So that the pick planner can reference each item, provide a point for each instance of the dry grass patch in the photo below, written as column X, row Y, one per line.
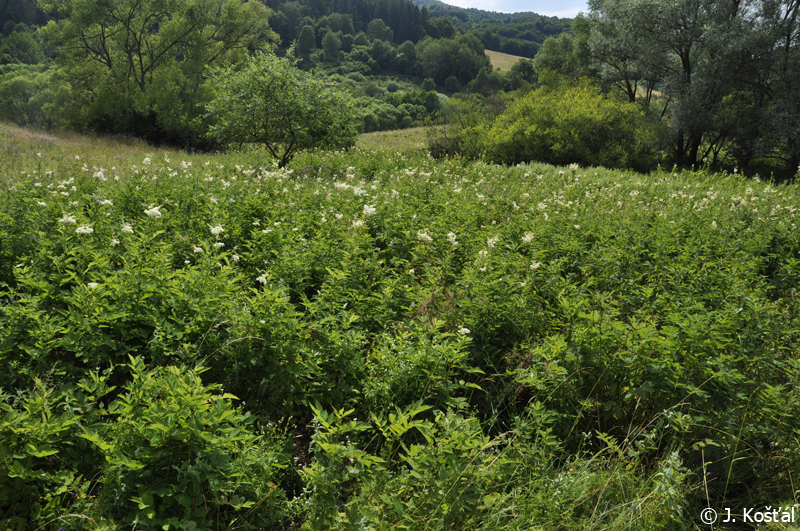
column 503, row 61
column 399, row 140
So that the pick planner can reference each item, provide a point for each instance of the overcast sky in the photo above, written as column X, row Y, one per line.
column 551, row 8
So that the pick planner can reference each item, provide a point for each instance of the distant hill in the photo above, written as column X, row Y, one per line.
column 436, row 8
column 512, row 33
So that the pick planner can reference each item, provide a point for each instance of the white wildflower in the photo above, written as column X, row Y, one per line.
column 358, row 224
column 463, row 331
column 536, row 265
column 491, row 242
column 41, row 203
column 424, row 238
column 84, row 229
column 369, row 210
column 196, row 249
column 153, row 212
column 127, row 227
column 93, row 285
column 262, row 279
column 66, row 220
column 147, row 161
column 216, row 231
column 114, row 242
column 219, row 245
column 528, row 238
column 451, row 237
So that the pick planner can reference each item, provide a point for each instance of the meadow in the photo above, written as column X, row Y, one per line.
column 372, row 339
column 503, row 61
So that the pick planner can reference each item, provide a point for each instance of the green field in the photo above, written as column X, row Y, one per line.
column 373, row 339
column 399, row 140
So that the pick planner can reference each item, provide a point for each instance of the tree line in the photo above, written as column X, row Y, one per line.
column 721, row 75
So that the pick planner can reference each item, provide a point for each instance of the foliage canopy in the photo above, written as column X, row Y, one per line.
column 723, row 75
column 137, row 67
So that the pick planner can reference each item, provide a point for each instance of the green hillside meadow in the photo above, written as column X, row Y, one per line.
column 377, row 340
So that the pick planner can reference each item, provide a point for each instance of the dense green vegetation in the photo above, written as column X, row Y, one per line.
column 723, row 76
column 379, row 340
column 295, row 333
column 144, row 68
column 270, row 103
column 707, row 82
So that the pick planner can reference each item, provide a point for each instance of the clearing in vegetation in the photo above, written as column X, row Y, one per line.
column 414, row 138
column 504, row 61
column 373, row 338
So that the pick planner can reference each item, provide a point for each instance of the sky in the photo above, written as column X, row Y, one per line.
column 551, row 8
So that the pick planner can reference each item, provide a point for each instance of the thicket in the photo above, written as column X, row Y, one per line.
column 562, row 123
column 722, row 76
column 381, row 340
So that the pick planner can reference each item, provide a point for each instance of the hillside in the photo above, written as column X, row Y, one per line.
column 512, row 33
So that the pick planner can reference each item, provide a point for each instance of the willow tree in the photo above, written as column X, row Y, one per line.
column 725, row 67
column 138, row 66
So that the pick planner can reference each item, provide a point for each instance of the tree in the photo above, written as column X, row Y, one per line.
column 378, row 30
column 306, row 44
column 138, row 66
column 721, row 66
column 272, row 102
column 28, row 96
column 21, row 46
column 331, row 46
column 522, row 73
column 560, row 57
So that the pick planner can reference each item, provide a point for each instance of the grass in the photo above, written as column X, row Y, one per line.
column 503, row 61
column 397, row 140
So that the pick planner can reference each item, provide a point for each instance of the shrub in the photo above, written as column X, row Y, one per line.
column 177, row 452
column 572, row 124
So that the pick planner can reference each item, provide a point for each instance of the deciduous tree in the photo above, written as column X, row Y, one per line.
column 271, row 102
column 137, row 66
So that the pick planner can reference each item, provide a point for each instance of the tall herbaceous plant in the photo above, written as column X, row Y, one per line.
column 375, row 339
